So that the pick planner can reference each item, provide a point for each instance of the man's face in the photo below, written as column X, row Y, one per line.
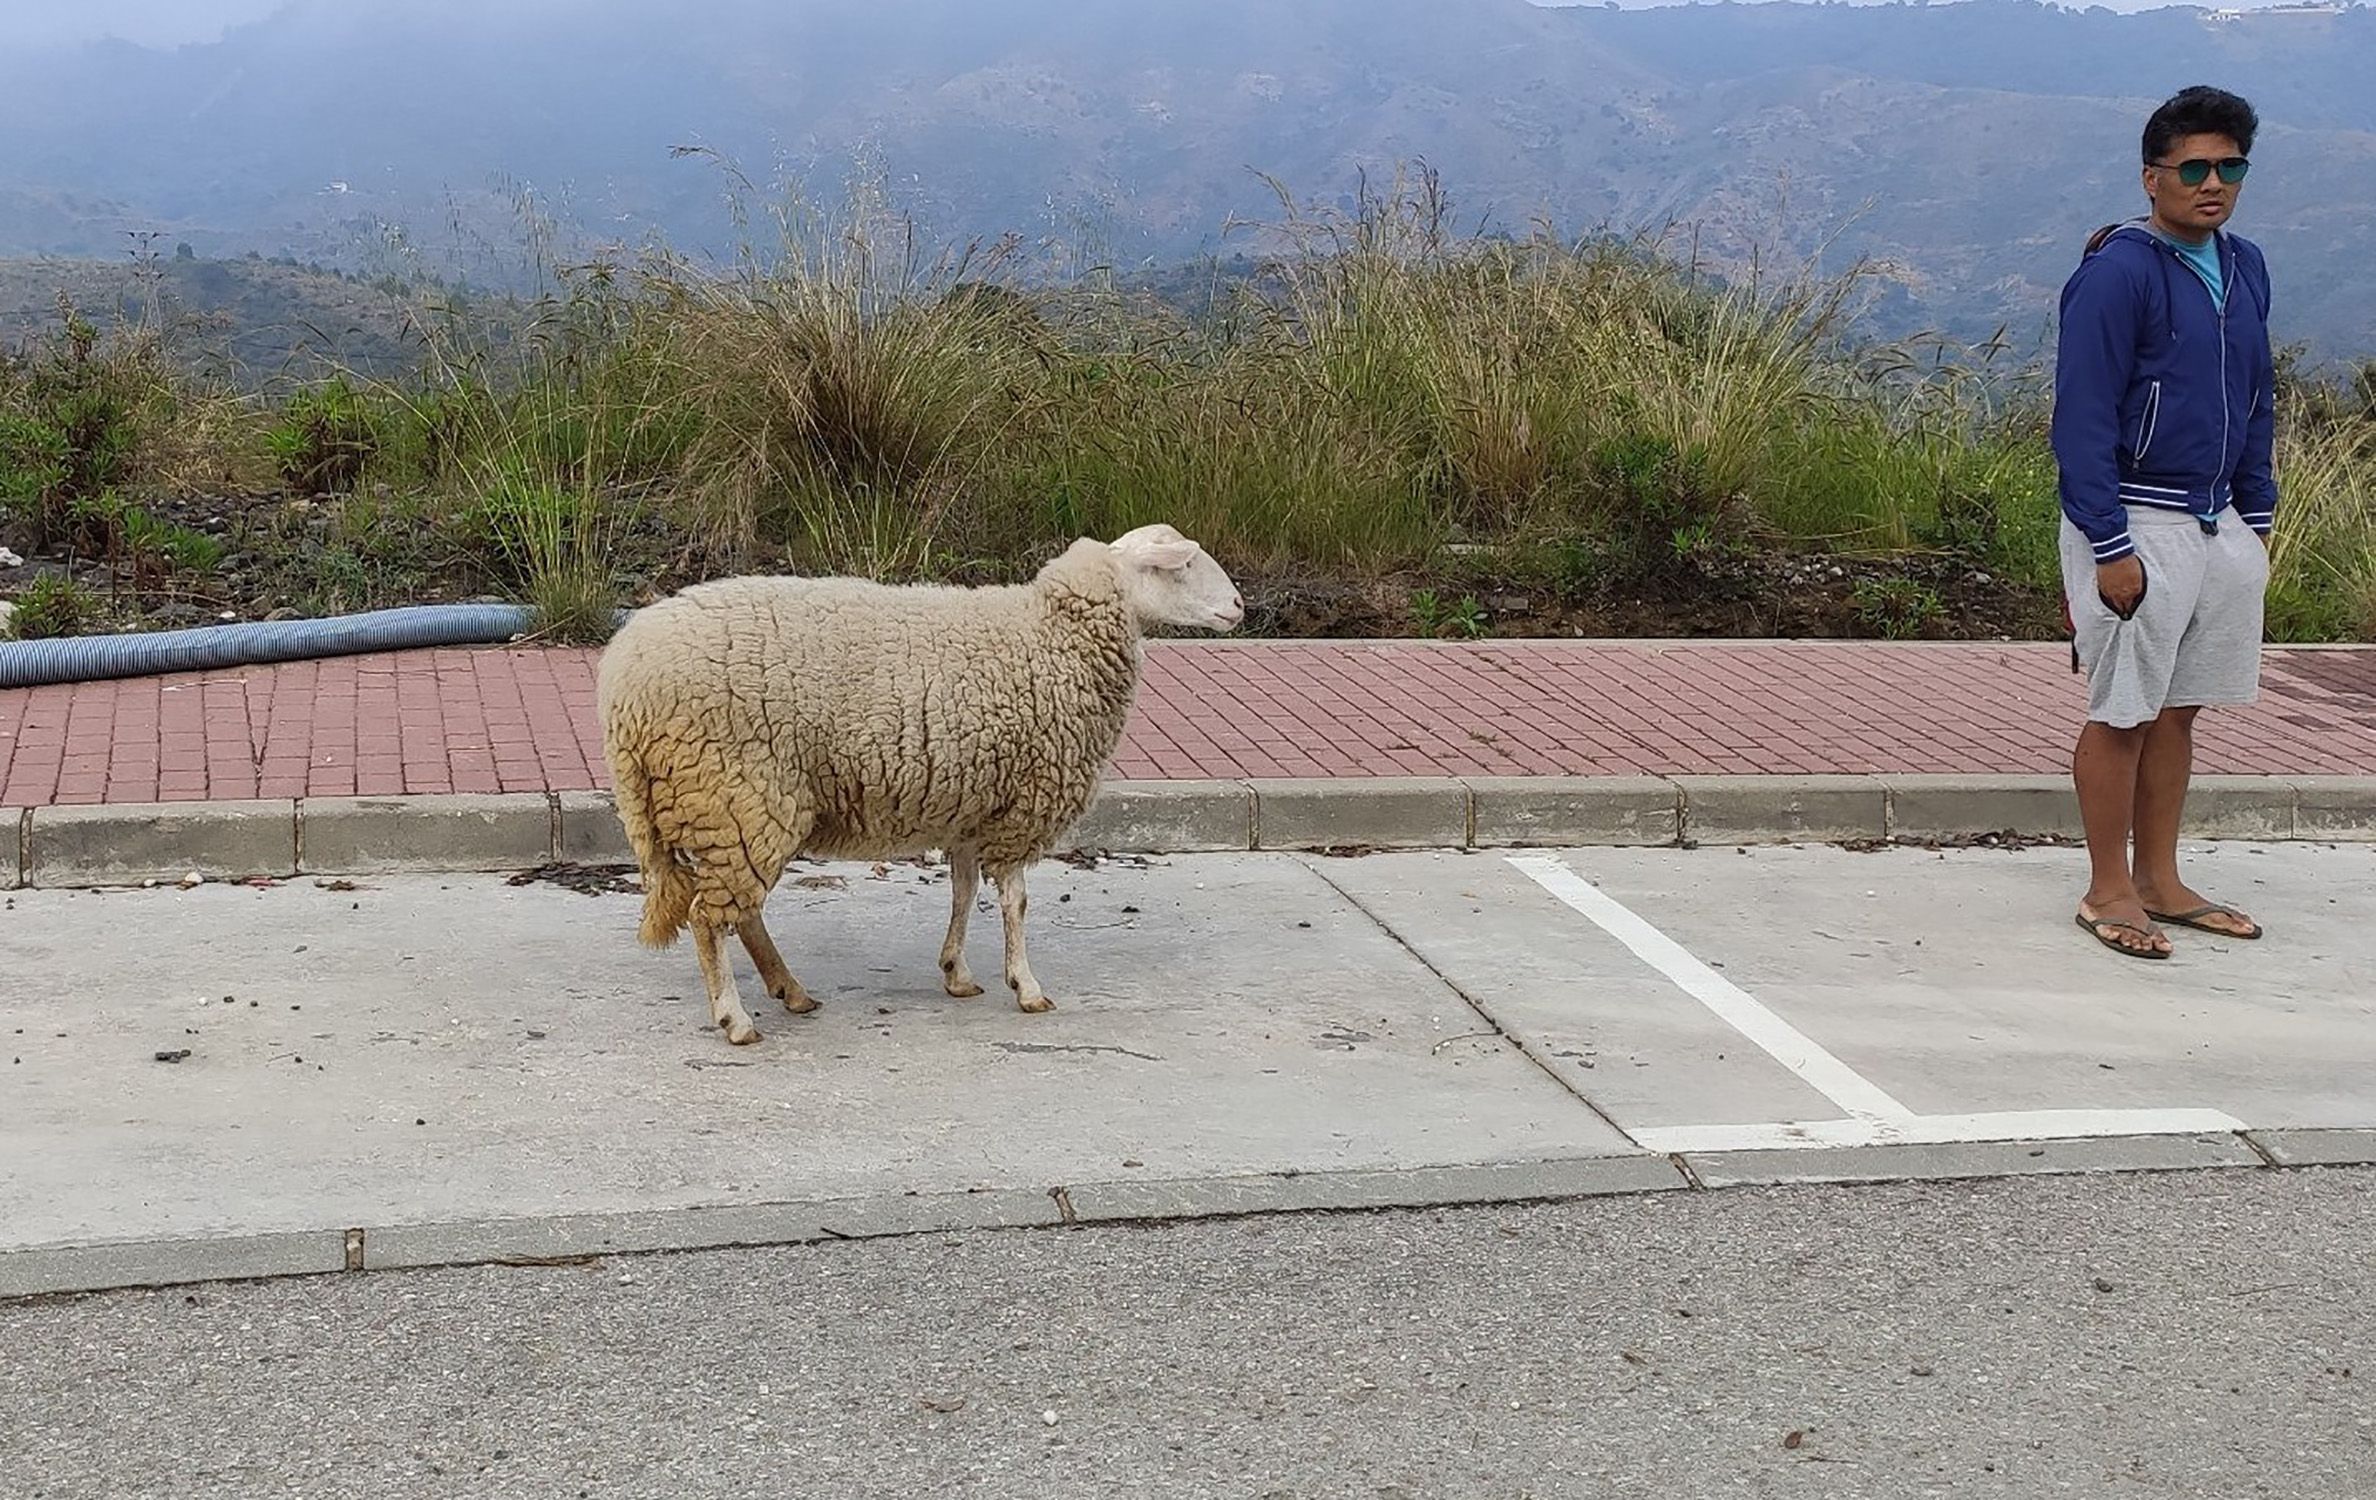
column 2202, row 206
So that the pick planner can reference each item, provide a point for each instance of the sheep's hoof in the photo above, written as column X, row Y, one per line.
column 964, row 989
column 741, row 1036
column 799, row 1002
column 1035, row 1004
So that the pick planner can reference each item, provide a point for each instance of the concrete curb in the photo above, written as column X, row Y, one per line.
column 46, row 1270
column 127, row 844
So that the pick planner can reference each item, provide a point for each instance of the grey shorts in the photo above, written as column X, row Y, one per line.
column 2194, row 639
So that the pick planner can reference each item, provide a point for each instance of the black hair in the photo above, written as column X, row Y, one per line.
column 2201, row 110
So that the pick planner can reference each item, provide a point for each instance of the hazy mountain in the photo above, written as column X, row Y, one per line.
column 1971, row 146
column 249, row 321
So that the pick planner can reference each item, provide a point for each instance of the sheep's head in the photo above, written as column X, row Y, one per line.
column 1170, row 580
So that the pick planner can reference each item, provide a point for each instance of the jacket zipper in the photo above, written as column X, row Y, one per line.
column 2226, row 416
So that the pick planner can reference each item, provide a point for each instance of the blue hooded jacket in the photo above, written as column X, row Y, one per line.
column 2161, row 398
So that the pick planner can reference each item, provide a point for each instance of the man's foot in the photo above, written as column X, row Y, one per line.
column 2123, row 927
column 2186, row 908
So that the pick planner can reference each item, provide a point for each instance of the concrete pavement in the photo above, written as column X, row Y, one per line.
column 426, row 1069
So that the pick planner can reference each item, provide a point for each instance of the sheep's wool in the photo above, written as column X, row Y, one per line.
column 752, row 720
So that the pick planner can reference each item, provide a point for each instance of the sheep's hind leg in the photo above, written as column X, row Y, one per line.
column 965, row 881
column 726, row 1007
column 773, row 972
column 1012, row 904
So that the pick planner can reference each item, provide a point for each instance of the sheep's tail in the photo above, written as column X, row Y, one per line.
column 668, row 885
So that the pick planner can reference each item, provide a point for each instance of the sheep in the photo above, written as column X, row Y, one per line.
column 750, row 720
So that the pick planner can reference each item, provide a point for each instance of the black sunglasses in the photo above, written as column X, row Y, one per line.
column 2194, row 169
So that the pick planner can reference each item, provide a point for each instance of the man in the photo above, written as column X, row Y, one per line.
column 2163, row 418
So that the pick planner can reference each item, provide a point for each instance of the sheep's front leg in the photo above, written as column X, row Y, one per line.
column 965, row 881
column 1011, row 906
column 769, row 961
column 726, row 1007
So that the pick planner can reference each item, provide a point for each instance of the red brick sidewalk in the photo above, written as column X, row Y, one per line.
column 522, row 720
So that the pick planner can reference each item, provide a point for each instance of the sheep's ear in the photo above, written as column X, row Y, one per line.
column 1162, row 556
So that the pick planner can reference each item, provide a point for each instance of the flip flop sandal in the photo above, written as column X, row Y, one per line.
column 2090, row 925
column 2195, row 920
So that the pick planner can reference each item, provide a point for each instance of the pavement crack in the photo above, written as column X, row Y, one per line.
column 1525, row 1048
column 2268, row 1157
column 1073, row 1047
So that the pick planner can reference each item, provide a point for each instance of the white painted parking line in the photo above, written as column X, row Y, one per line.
column 1874, row 1117
column 1736, row 1007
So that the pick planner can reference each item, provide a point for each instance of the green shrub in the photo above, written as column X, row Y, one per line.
column 51, row 606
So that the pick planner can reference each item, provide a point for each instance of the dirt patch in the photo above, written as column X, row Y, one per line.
column 2009, row 840
column 586, row 880
column 1773, row 595
column 285, row 557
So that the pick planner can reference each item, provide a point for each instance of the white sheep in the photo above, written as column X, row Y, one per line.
column 750, row 720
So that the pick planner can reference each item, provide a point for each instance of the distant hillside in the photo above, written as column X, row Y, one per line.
column 251, row 321
column 1966, row 147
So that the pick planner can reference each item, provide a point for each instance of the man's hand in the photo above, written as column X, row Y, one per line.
column 2122, row 584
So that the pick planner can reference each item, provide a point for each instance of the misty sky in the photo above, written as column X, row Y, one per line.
column 158, row 23
column 168, row 23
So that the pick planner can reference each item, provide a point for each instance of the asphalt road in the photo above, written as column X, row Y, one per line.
column 2170, row 1335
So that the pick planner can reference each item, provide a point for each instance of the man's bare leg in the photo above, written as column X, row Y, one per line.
column 2105, row 770
column 2163, row 770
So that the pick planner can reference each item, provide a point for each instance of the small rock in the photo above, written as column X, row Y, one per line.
column 1925, row 1371
column 1048, row 1417
column 2103, row 1285
column 176, row 1055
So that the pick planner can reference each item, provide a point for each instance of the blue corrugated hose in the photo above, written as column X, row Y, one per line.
column 82, row 658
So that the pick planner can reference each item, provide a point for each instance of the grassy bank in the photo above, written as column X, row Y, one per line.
column 1464, row 437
